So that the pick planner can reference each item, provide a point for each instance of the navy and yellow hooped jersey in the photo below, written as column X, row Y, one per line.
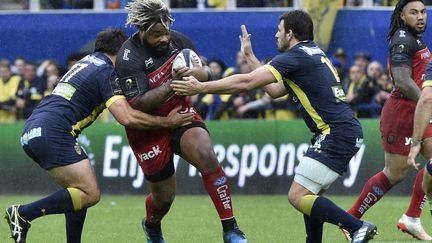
column 311, row 79
column 82, row 94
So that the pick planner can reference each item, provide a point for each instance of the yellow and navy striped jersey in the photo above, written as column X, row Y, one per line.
column 82, row 94
column 311, row 79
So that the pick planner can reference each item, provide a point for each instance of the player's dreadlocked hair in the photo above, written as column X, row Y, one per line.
column 144, row 14
column 110, row 41
column 395, row 20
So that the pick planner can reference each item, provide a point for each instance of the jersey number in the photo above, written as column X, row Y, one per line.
column 74, row 70
column 338, row 92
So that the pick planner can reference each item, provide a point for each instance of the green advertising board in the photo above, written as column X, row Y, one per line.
column 258, row 156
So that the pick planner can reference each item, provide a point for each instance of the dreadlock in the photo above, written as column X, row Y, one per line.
column 395, row 20
column 144, row 14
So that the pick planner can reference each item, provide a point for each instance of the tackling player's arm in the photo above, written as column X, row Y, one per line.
column 129, row 117
column 229, row 85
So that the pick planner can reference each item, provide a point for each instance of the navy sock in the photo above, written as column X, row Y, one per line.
column 74, row 225
column 58, row 202
column 326, row 211
column 314, row 229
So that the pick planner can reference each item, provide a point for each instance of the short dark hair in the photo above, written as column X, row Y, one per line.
column 300, row 23
column 110, row 41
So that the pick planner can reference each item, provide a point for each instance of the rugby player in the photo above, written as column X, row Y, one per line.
column 144, row 67
column 303, row 71
column 408, row 56
column 49, row 136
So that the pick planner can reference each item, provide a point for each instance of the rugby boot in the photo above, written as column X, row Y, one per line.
column 154, row 235
column 413, row 227
column 234, row 236
column 17, row 224
column 366, row 232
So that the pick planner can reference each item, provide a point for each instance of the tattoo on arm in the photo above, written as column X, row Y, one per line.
column 404, row 81
column 154, row 97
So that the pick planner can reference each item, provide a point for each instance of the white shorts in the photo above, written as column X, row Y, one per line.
column 314, row 175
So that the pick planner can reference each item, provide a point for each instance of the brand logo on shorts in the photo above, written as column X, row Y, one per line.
column 151, row 154
column 77, row 148
column 33, row 133
column 220, row 181
column 359, row 142
column 408, row 140
column 390, row 139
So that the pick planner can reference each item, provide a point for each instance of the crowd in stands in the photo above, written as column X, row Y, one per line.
column 366, row 84
column 217, row 4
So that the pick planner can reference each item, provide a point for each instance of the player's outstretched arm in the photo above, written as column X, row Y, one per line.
column 229, row 85
column 129, row 117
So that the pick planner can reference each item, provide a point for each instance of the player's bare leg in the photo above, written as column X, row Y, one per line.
column 81, row 191
column 158, row 203
column 197, row 149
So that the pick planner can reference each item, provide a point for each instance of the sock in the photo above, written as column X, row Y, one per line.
column 314, row 229
column 74, row 225
column 59, row 202
column 154, row 214
column 324, row 210
column 374, row 189
column 229, row 224
column 418, row 198
column 216, row 185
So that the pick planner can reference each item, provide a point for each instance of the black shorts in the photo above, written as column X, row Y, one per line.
column 335, row 150
column 50, row 144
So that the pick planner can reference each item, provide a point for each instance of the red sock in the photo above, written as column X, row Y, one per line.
column 216, row 185
column 418, row 198
column 374, row 189
column 154, row 214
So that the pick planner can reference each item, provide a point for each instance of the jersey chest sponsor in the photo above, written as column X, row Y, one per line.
column 420, row 60
column 161, row 75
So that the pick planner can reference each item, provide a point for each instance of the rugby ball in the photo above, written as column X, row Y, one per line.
column 186, row 58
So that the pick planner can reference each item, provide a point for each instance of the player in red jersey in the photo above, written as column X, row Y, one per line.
column 408, row 56
column 144, row 67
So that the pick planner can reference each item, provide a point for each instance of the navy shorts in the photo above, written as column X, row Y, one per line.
column 335, row 150
column 50, row 144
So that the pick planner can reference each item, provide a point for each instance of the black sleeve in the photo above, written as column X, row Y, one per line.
column 402, row 48
column 130, row 71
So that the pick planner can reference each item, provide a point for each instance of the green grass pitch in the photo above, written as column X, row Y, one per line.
column 192, row 219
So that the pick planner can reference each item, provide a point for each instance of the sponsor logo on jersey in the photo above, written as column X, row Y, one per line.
column 33, row 133
column 64, row 90
column 156, row 77
column 149, row 62
column 151, row 154
column 126, row 54
column 312, row 50
column 402, row 33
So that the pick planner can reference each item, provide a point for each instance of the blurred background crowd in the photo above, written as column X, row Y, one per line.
column 366, row 81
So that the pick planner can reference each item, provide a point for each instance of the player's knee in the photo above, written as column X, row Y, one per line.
column 92, row 197
column 293, row 198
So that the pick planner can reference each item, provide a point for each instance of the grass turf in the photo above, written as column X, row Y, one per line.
column 192, row 219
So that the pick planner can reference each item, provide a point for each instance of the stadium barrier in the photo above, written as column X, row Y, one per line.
column 58, row 34
column 258, row 156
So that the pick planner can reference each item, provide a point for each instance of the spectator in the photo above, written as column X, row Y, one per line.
column 19, row 65
column 362, row 59
column 250, row 3
column 218, row 4
column 30, row 92
column 384, row 86
column 183, row 3
column 343, row 70
column 8, row 88
column 51, row 83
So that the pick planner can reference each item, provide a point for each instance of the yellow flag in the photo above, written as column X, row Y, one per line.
column 323, row 13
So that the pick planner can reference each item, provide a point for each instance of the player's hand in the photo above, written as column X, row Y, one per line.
column 245, row 41
column 414, row 151
column 181, row 72
column 188, row 86
column 176, row 119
